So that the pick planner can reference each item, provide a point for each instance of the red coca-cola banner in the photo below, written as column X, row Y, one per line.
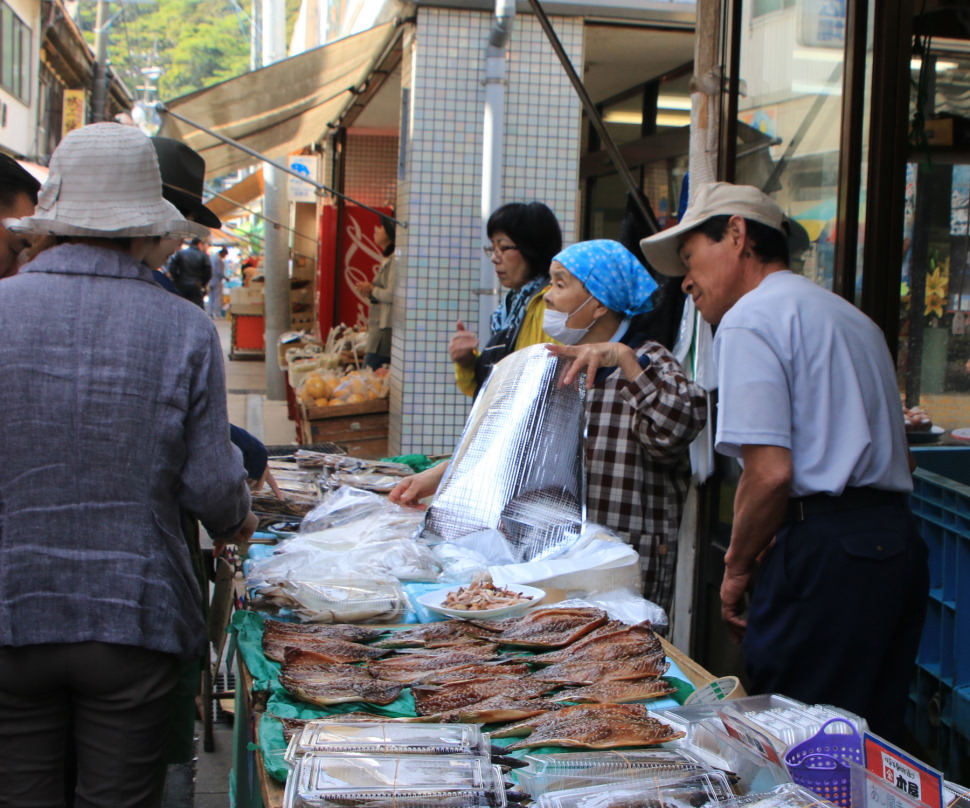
column 356, row 259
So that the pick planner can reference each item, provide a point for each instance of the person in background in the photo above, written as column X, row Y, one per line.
column 18, row 197
column 524, row 238
column 641, row 410
column 219, row 275
column 191, row 270
column 380, row 293
column 88, row 660
column 808, row 403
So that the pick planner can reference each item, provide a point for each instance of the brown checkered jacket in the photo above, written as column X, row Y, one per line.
column 637, row 464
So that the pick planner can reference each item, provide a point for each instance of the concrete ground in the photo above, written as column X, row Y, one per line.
column 204, row 783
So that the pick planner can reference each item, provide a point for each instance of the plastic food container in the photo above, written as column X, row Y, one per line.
column 671, row 792
column 375, row 738
column 788, row 795
column 411, row 781
column 561, row 771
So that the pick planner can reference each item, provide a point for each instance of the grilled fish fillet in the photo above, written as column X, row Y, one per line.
column 339, row 631
column 357, row 686
column 431, row 635
column 591, row 672
column 545, row 629
column 596, row 726
column 415, row 663
column 458, row 673
column 431, row 699
column 618, row 692
column 627, row 642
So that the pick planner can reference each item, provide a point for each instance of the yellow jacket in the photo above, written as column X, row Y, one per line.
column 531, row 333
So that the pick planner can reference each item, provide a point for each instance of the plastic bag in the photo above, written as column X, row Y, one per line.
column 339, row 598
column 625, row 605
column 340, row 506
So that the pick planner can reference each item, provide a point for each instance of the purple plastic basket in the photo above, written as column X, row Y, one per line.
column 819, row 763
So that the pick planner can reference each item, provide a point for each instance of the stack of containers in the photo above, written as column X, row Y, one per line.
column 405, row 765
column 814, row 741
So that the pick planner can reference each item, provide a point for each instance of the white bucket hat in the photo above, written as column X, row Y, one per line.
column 104, row 183
column 714, row 199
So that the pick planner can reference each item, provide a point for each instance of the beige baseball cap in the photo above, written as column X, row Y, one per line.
column 713, row 199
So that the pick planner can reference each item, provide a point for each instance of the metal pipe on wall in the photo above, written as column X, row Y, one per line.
column 276, row 246
column 493, row 150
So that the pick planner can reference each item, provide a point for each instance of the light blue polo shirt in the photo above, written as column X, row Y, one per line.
column 801, row 368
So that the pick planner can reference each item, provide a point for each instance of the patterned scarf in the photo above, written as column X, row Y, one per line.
column 510, row 311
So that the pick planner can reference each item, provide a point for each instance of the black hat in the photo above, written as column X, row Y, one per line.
column 183, row 170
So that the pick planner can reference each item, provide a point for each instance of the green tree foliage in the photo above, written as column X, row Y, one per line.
column 196, row 43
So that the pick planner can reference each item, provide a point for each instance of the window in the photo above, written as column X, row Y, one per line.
column 761, row 7
column 14, row 54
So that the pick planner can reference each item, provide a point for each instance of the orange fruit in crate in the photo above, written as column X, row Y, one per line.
column 356, row 398
column 322, row 402
column 315, row 386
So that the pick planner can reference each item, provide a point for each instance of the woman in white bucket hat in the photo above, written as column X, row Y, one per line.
column 115, row 408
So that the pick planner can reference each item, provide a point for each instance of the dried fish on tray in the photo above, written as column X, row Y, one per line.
column 543, row 629
column 594, row 726
column 430, row 635
column 276, row 639
column 618, row 692
column 433, row 699
column 591, row 672
column 624, row 643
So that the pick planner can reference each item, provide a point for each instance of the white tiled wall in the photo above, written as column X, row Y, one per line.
column 439, row 194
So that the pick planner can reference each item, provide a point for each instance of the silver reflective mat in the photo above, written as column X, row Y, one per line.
column 519, row 466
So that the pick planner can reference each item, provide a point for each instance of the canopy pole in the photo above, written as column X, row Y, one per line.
column 320, row 188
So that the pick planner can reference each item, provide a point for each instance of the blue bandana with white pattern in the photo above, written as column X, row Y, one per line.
column 611, row 274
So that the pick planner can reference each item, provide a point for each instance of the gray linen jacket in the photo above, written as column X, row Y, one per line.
column 114, row 403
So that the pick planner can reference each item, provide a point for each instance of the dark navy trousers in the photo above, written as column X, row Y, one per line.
column 837, row 613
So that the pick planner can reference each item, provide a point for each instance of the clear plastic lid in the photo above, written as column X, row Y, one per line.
column 559, row 771
column 377, row 738
column 693, row 791
column 787, row 795
column 353, row 781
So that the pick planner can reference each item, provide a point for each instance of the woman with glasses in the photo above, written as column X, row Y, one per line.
column 524, row 237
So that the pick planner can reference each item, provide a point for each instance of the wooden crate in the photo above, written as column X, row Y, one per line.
column 361, row 428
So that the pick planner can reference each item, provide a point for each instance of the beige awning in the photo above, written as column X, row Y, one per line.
column 278, row 109
column 234, row 198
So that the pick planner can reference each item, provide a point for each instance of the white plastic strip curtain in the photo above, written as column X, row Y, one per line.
column 695, row 345
column 281, row 108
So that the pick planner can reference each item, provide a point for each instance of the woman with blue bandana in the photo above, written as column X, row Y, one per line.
column 642, row 411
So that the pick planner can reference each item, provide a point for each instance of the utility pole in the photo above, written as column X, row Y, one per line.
column 276, row 208
column 99, row 93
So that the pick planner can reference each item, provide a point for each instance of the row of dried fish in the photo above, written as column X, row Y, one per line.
column 457, row 672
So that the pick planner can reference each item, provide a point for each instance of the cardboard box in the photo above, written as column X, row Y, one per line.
column 360, row 428
column 246, row 300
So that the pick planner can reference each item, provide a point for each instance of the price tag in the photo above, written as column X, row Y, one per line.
column 903, row 772
column 754, row 739
column 714, row 691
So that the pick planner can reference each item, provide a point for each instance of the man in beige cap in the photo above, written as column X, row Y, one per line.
column 808, row 403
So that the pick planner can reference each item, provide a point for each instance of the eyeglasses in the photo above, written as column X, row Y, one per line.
column 501, row 249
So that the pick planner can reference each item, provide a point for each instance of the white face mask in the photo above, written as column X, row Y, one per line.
column 554, row 323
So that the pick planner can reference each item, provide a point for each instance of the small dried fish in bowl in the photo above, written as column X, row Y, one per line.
column 482, row 594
